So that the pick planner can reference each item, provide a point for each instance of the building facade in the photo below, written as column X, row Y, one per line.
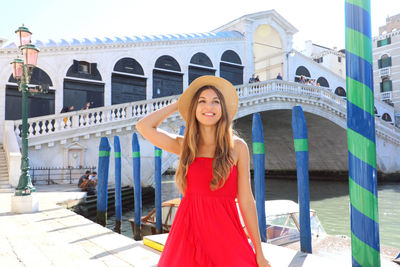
column 386, row 60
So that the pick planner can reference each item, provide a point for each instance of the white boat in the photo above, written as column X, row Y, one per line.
column 283, row 226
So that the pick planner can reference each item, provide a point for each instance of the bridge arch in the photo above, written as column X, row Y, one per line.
column 327, row 140
column 267, row 48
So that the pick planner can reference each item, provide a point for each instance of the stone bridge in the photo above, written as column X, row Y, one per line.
column 72, row 139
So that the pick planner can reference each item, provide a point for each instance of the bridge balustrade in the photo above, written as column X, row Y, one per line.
column 131, row 112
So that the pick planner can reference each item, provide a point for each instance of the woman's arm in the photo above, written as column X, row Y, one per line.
column 147, row 126
column 246, row 200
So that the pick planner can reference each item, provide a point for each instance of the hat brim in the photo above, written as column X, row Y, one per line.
column 225, row 87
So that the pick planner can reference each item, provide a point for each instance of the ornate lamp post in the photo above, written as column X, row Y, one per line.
column 22, row 71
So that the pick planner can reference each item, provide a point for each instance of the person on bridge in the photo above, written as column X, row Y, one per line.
column 213, row 170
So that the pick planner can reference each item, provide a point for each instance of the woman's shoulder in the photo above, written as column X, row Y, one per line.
column 240, row 148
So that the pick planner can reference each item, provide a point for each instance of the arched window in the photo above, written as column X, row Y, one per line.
column 200, row 65
column 38, row 77
column 84, row 70
column 301, row 71
column 386, row 85
column 323, row 82
column 38, row 104
column 231, row 56
column 231, row 68
column 128, row 65
column 77, row 92
column 167, row 63
column 340, row 91
column 167, row 77
column 201, row 59
column 386, row 117
column 128, row 83
column 384, row 62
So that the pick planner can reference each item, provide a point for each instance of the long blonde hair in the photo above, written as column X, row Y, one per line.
column 223, row 160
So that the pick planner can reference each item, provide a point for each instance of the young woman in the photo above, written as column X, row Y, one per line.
column 213, row 170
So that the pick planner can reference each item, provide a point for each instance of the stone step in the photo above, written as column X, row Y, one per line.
column 7, row 189
column 2, row 183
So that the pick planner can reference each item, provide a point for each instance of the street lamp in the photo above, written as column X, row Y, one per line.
column 22, row 71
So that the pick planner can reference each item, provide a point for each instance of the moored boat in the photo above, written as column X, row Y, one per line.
column 282, row 221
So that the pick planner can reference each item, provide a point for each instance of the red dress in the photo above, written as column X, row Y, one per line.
column 206, row 231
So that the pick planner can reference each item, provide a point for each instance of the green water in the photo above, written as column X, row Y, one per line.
column 330, row 200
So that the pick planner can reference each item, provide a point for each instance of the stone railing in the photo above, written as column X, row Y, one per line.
column 47, row 125
column 87, row 120
column 386, row 95
column 384, row 72
column 283, row 87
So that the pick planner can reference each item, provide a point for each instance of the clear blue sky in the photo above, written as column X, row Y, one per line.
column 317, row 20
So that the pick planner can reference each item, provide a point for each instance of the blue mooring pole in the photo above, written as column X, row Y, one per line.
column 299, row 127
column 102, row 184
column 118, row 199
column 259, row 173
column 157, row 177
column 137, row 187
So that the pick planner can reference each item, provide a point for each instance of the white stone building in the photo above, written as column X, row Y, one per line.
column 386, row 60
column 123, row 70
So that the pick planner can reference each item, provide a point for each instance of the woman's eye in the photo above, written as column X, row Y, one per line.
column 202, row 101
column 216, row 101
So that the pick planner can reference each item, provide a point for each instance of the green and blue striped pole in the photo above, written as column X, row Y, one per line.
column 259, row 173
column 137, row 187
column 102, row 184
column 300, row 136
column 361, row 135
column 118, row 197
column 157, row 178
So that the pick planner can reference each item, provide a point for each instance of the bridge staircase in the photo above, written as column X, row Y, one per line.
column 5, row 187
column 52, row 137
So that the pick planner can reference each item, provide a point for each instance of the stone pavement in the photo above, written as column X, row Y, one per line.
column 56, row 236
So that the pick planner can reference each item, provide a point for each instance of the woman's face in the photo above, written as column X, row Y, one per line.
column 208, row 111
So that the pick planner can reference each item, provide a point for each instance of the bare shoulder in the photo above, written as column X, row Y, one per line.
column 240, row 149
column 179, row 138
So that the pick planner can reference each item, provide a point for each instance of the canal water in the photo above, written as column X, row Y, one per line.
column 329, row 198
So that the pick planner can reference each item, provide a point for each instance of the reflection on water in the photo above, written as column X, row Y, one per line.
column 330, row 199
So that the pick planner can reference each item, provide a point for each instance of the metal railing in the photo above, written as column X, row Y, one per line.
column 57, row 175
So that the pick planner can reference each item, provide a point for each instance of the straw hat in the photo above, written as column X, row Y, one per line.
column 225, row 87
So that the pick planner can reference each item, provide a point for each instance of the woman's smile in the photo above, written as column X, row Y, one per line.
column 208, row 111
